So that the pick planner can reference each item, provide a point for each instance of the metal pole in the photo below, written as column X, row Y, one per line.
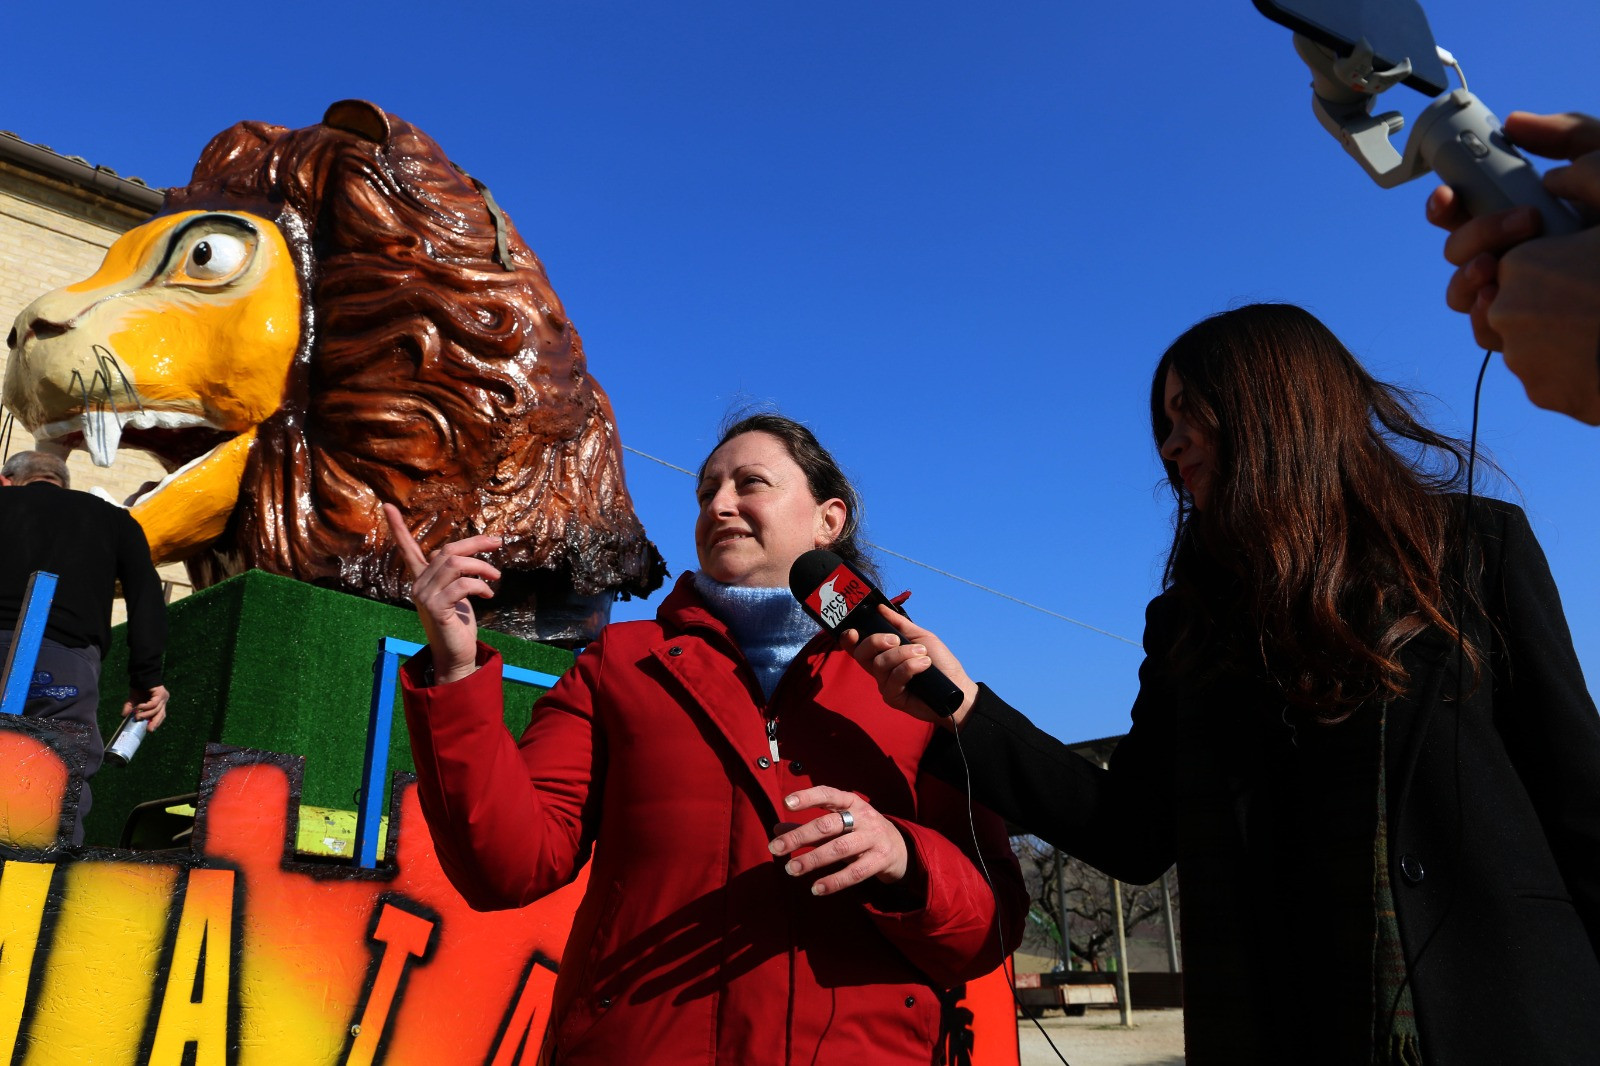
column 1124, row 998
column 1166, row 914
column 1061, row 909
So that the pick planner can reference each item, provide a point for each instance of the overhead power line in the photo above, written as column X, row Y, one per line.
column 663, row 462
column 1004, row 595
column 935, row 569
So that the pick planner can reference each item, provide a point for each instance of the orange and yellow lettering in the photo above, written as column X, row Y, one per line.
column 522, row 1037
column 24, row 887
column 194, row 1007
column 108, row 927
column 404, row 936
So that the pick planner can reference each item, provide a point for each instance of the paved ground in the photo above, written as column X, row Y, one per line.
column 1098, row 1039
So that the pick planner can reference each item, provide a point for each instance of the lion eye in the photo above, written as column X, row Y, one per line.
column 216, row 256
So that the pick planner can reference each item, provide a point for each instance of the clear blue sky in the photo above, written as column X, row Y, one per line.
column 954, row 241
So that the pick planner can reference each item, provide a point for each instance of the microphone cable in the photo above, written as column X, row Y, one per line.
column 1460, row 597
column 1007, row 963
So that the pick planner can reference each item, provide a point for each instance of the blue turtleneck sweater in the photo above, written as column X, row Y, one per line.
column 769, row 625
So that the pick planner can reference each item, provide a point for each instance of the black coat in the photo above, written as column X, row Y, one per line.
column 1493, row 816
column 90, row 545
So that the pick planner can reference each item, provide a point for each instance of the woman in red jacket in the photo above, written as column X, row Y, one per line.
column 773, row 879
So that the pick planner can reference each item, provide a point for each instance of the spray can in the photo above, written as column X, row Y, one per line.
column 126, row 740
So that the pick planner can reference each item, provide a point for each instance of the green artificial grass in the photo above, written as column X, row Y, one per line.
column 268, row 662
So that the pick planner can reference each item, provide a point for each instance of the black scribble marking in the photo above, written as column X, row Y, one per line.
column 98, row 392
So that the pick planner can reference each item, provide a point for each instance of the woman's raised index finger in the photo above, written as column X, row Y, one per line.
column 410, row 550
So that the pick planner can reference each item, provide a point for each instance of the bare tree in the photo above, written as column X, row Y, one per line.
column 1086, row 893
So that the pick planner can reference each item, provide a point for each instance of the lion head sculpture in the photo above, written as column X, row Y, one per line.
column 322, row 321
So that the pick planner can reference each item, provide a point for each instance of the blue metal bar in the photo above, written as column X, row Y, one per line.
column 520, row 675
column 25, row 640
column 401, row 647
column 527, row 677
column 380, row 724
column 375, row 763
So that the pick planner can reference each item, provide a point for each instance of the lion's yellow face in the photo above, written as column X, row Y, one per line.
column 180, row 344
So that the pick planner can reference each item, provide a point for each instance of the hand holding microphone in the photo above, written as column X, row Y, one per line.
column 915, row 671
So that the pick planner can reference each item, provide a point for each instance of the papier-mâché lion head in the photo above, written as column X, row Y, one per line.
column 322, row 321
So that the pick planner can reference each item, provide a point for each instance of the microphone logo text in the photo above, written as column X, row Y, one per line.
column 836, row 597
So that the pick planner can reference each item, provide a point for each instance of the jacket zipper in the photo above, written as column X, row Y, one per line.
column 771, row 708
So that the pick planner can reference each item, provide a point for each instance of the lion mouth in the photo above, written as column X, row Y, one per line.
column 177, row 440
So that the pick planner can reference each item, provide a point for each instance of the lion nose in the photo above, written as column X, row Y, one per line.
column 41, row 329
column 51, row 315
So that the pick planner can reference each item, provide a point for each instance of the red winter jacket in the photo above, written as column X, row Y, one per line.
column 692, row 945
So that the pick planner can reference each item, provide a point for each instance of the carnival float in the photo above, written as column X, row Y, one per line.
column 323, row 321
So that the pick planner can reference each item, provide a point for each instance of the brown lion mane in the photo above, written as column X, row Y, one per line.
column 437, row 371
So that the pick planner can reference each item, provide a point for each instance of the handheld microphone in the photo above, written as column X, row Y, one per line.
column 840, row 598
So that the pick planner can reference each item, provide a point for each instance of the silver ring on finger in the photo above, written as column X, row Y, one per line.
column 849, row 821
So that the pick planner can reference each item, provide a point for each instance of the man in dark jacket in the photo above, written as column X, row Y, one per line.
column 90, row 545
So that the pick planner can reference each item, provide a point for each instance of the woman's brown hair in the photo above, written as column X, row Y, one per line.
column 1323, row 546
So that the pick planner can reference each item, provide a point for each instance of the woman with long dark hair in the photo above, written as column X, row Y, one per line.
column 772, row 880
column 1362, row 733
